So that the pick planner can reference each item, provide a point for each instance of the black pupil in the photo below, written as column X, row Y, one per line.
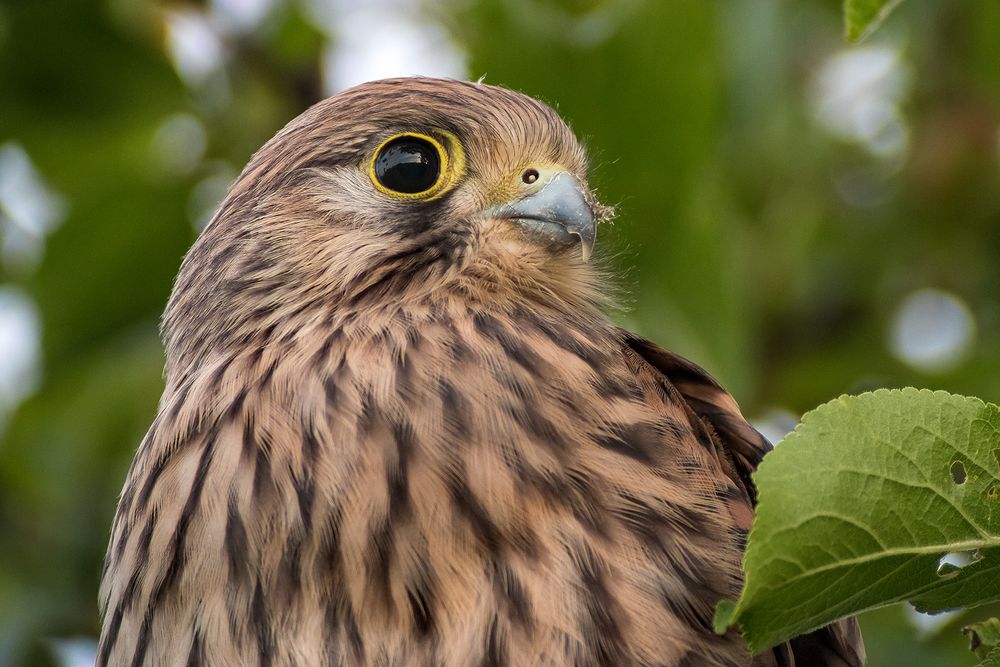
column 408, row 165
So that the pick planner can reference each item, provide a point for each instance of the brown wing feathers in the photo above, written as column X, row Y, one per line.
column 711, row 402
column 837, row 645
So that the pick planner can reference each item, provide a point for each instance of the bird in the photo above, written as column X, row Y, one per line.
column 400, row 428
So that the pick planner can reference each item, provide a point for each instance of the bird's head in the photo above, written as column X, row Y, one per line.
column 391, row 191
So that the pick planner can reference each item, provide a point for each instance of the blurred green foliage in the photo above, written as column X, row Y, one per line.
column 765, row 229
column 863, row 17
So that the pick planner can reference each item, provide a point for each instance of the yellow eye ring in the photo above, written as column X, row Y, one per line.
column 412, row 165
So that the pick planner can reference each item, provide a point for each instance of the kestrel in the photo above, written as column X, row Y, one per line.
column 398, row 428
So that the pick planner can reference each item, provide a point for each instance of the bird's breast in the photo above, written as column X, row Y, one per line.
column 449, row 487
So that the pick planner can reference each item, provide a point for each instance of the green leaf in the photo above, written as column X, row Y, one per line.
column 992, row 659
column 859, row 505
column 863, row 17
column 984, row 637
column 725, row 615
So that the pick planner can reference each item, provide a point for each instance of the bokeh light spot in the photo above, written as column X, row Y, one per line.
column 241, row 16
column 206, row 196
column 775, row 424
column 193, row 45
column 932, row 330
column 381, row 39
column 857, row 97
column 29, row 210
column 179, row 143
column 19, row 349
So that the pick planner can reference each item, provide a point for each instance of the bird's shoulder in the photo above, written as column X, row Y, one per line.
column 839, row 644
column 710, row 402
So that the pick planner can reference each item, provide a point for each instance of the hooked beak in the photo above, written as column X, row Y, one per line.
column 557, row 212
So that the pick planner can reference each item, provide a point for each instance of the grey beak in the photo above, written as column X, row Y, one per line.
column 559, row 212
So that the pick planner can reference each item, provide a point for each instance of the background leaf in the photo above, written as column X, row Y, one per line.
column 984, row 637
column 859, row 505
column 863, row 17
column 992, row 659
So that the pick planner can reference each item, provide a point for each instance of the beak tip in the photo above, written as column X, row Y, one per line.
column 586, row 242
column 563, row 202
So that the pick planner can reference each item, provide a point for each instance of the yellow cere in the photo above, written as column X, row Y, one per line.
column 452, row 159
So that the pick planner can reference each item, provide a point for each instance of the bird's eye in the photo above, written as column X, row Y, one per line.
column 409, row 165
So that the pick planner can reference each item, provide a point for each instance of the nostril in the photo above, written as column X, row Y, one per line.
column 530, row 176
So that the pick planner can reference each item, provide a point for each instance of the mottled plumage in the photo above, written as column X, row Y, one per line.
column 400, row 431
